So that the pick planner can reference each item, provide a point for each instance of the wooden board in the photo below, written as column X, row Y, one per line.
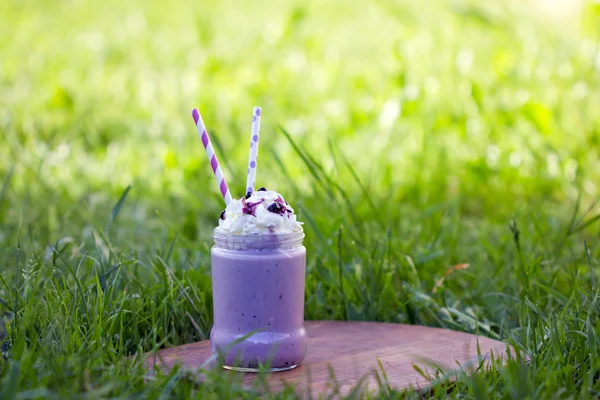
column 353, row 349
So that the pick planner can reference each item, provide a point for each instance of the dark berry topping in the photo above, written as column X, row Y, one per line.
column 250, row 207
column 277, row 208
column 222, row 215
column 248, row 195
column 262, row 189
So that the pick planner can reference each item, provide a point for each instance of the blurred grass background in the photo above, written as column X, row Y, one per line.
column 407, row 135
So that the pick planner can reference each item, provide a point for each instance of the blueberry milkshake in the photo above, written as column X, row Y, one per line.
column 258, row 267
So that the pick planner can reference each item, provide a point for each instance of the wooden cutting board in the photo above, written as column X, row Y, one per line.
column 353, row 350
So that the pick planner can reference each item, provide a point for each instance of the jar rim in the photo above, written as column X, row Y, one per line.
column 217, row 232
column 258, row 241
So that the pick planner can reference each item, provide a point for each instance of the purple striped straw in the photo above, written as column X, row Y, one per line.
column 212, row 157
column 252, row 162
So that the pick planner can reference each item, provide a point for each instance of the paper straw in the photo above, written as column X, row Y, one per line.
column 212, row 157
column 252, row 162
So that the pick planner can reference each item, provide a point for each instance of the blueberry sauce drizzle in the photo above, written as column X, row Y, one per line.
column 250, row 207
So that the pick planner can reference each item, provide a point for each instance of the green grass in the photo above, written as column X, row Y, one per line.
column 409, row 137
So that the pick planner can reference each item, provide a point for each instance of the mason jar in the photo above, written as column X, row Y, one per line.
column 258, row 292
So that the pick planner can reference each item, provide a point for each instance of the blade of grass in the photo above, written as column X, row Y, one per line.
column 592, row 274
column 309, row 165
column 5, row 187
column 284, row 170
column 171, row 247
column 77, row 282
column 366, row 193
column 585, row 225
column 117, row 208
column 340, row 271
column 5, row 304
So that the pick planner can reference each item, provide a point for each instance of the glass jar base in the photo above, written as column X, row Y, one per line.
column 244, row 369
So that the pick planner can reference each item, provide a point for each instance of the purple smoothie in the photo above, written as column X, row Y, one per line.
column 258, row 284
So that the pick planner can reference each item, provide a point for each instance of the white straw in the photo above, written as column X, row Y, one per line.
column 252, row 160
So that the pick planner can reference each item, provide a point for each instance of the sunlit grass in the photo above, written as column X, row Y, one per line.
column 409, row 137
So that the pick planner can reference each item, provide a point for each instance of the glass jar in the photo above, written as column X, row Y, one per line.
column 258, row 290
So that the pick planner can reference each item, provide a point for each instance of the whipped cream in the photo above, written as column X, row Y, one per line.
column 265, row 211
